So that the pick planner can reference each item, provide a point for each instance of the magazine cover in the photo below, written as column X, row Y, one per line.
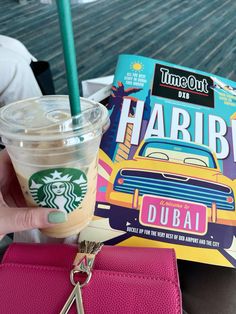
column 167, row 163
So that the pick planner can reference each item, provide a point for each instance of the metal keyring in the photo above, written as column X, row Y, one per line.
column 76, row 270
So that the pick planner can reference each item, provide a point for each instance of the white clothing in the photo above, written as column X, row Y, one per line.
column 17, row 80
column 17, row 47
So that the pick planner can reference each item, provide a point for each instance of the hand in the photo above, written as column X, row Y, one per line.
column 14, row 214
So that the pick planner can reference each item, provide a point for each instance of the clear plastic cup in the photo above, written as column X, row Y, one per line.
column 55, row 156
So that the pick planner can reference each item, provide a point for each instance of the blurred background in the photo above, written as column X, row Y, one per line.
column 199, row 34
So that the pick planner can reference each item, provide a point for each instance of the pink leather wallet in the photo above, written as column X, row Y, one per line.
column 35, row 279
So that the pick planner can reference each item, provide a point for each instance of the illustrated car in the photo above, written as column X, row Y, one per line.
column 177, row 171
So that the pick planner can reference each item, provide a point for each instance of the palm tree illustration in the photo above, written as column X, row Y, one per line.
column 115, row 105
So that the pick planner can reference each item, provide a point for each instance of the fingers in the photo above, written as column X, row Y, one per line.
column 19, row 219
column 4, row 157
column 13, row 219
column 12, row 194
column 6, row 168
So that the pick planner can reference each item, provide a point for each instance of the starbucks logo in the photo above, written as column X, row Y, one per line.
column 62, row 188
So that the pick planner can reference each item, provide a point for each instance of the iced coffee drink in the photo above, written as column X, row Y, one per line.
column 55, row 157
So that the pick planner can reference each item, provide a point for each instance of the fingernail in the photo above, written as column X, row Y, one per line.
column 57, row 217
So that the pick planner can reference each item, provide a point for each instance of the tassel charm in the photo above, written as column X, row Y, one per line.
column 83, row 263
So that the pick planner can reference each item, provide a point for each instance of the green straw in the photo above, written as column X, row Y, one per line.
column 66, row 28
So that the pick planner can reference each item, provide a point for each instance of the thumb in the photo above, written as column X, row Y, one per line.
column 19, row 219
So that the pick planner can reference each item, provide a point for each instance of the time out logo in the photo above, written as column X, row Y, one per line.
column 183, row 85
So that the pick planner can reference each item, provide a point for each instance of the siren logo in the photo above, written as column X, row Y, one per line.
column 182, row 85
column 62, row 188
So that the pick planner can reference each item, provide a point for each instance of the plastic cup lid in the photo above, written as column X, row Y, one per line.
column 48, row 118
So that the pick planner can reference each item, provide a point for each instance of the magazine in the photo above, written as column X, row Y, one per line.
column 167, row 163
